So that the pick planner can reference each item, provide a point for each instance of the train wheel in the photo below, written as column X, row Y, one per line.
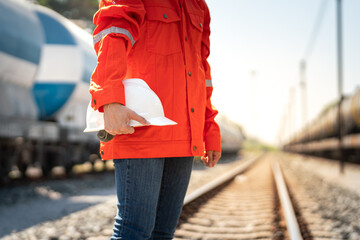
column 68, row 168
column 5, row 166
column 46, row 170
column 22, row 168
column 23, row 161
column 47, row 165
column 4, row 173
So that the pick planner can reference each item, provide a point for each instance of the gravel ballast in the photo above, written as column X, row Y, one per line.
column 331, row 208
column 81, row 208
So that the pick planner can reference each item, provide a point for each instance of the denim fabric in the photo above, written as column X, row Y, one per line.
column 150, row 195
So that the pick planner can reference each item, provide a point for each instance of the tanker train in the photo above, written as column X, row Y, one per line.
column 45, row 66
column 320, row 138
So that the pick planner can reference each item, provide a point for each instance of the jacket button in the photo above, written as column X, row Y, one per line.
column 189, row 73
column 102, row 152
column 165, row 16
column 195, row 148
column 185, row 38
column 192, row 110
column 94, row 101
column 201, row 25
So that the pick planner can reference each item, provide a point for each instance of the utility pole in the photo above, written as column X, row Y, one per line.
column 291, row 118
column 254, row 101
column 304, row 104
column 340, row 80
column 303, row 91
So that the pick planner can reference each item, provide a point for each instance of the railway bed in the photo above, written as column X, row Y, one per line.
column 247, row 207
column 327, row 199
column 324, row 211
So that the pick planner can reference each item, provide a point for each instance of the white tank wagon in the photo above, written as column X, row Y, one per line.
column 232, row 136
column 20, row 49
column 45, row 66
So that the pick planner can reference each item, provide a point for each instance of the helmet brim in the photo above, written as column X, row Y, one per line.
column 156, row 121
column 161, row 121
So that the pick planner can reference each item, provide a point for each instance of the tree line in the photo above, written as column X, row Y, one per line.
column 73, row 9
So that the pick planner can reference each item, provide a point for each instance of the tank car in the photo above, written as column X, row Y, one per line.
column 231, row 135
column 321, row 136
column 45, row 66
column 20, row 49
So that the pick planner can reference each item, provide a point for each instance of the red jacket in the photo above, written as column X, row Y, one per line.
column 166, row 43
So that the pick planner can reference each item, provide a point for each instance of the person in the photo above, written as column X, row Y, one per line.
column 165, row 43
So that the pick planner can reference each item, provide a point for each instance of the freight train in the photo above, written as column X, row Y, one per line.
column 321, row 137
column 232, row 136
column 45, row 66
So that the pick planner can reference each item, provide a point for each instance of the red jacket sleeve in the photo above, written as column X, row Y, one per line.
column 117, row 29
column 212, row 136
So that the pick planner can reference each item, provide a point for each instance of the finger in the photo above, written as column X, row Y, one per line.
column 205, row 159
column 110, row 129
column 114, row 132
column 111, row 132
column 140, row 119
column 211, row 158
column 216, row 157
column 123, row 129
column 127, row 129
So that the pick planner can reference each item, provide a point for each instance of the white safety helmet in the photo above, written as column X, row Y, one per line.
column 139, row 98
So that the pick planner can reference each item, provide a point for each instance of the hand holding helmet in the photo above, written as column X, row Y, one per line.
column 143, row 108
column 117, row 118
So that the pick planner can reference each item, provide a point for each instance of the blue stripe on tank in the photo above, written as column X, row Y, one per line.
column 19, row 47
column 86, row 75
column 55, row 32
column 50, row 97
column 20, row 36
column 90, row 62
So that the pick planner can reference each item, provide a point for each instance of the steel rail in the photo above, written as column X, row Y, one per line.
column 290, row 218
column 221, row 180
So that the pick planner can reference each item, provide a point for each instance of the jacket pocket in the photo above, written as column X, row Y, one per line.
column 196, row 28
column 163, row 30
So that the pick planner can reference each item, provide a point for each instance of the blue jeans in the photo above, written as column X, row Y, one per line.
column 150, row 194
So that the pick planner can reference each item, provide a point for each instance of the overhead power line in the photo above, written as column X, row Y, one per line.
column 316, row 29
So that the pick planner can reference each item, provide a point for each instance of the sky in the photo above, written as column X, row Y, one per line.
column 256, row 50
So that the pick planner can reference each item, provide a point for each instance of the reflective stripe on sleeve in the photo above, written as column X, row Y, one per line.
column 105, row 32
column 209, row 83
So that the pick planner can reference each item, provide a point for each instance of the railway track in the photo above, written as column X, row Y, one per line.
column 249, row 203
column 244, row 204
